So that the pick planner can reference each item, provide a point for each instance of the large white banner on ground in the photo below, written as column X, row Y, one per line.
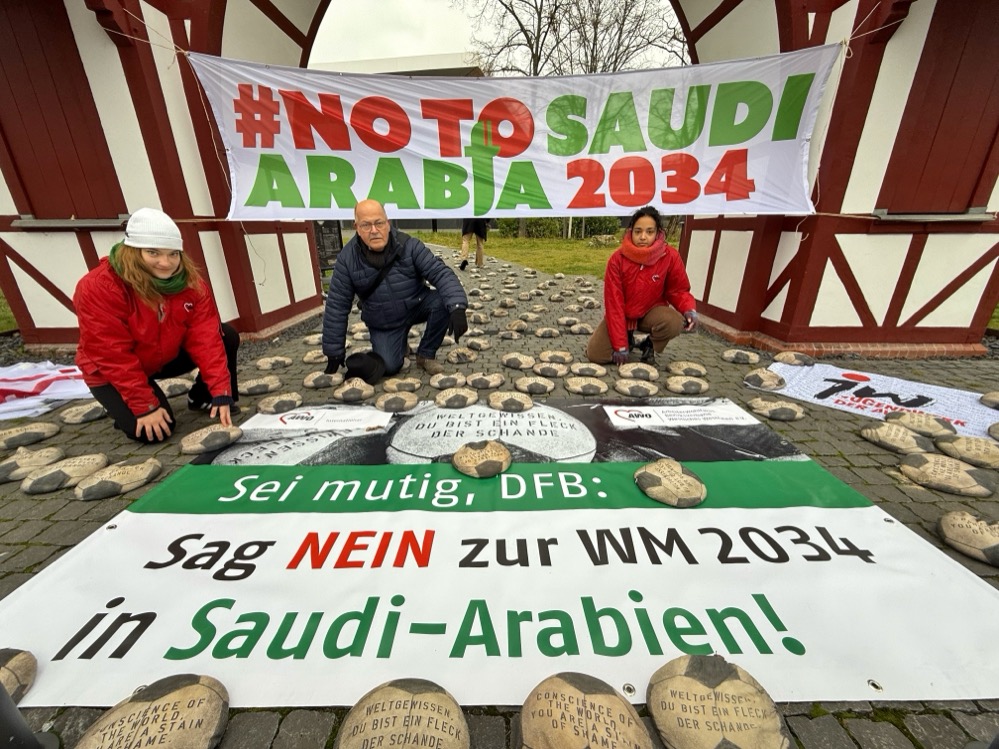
column 309, row 585
column 875, row 395
column 728, row 138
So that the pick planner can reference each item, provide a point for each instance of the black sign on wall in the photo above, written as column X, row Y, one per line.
column 329, row 242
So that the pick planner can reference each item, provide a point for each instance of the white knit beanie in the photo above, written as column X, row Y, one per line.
column 152, row 229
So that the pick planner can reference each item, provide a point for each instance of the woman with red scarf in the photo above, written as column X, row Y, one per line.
column 645, row 288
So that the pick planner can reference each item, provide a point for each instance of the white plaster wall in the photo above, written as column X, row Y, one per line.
column 298, row 12
column 115, row 108
column 748, row 31
column 730, row 268
column 697, row 10
column 218, row 273
column 698, row 259
column 887, row 106
column 7, row 206
column 58, row 257
column 249, row 35
column 993, row 204
column 105, row 240
column 832, row 304
column 300, row 263
column 787, row 248
column 840, row 26
column 944, row 257
column 876, row 261
column 268, row 272
column 178, row 113
column 775, row 309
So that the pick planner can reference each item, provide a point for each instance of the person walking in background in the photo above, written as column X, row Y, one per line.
column 645, row 288
column 477, row 227
column 389, row 272
column 145, row 314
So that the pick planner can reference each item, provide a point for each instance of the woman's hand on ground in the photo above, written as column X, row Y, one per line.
column 225, row 418
column 154, row 425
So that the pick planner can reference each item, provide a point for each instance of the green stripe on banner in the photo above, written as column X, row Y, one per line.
column 437, row 487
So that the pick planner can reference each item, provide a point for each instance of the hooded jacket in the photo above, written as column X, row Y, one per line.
column 124, row 341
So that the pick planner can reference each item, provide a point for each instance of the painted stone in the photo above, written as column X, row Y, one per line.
column 686, row 385
column 474, row 332
column 24, row 461
column 529, row 317
column 538, row 309
column 431, row 715
column 482, row 459
column 777, row 409
column 764, row 379
column 402, row 385
column 594, row 713
column 314, row 339
column 573, row 309
column 457, row 397
column 446, row 380
column 517, row 326
column 461, row 355
column 17, row 672
column 396, row 402
column 534, row 385
column 261, row 385
column 587, row 369
column 353, row 390
column 586, row 385
column 478, row 344
column 671, row 483
column 280, row 403
column 567, row 322
column 635, row 388
column 314, row 357
column 361, row 335
column 515, row 360
column 979, row 451
column 483, row 381
column 270, row 363
column 711, row 684
column 971, row 536
column 556, row 297
column 62, row 474
column 739, row 356
column 638, row 371
column 591, row 304
column 550, row 369
column 358, row 327
column 499, row 312
column 548, row 333
column 794, row 358
column 478, row 318
column 119, row 478
column 319, row 380
column 556, row 356
column 897, row 438
column 174, row 386
column 990, row 399
column 581, row 329
column 27, row 434
column 994, row 431
column 509, row 335
column 948, row 475
column 507, row 303
column 924, row 424
column 507, row 400
column 688, row 368
column 197, row 707
column 212, row 437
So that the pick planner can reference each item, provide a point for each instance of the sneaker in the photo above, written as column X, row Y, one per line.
column 648, row 352
column 463, row 265
column 430, row 366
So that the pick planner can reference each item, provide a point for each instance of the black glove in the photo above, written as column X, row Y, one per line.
column 459, row 323
column 333, row 363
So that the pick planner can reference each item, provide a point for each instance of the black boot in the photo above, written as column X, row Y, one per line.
column 463, row 265
column 648, row 352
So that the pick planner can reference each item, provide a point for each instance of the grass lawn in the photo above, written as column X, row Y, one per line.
column 7, row 321
column 569, row 256
column 994, row 321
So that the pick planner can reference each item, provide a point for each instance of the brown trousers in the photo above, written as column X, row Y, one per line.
column 662, row 323
column 465, row 239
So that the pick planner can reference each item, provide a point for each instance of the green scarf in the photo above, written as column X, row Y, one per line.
column 173, row 285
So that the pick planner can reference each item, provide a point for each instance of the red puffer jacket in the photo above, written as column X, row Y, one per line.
column 631, row 290
column 123, row 340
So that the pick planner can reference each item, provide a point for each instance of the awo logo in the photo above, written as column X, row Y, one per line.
column 296, row 417
column 853, row 383
column 631, row 414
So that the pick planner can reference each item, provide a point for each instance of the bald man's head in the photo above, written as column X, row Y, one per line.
column 372, row 224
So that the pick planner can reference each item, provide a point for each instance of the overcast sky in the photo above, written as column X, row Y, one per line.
column 390, row 28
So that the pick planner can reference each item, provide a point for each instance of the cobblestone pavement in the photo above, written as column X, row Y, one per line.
column 37, row 530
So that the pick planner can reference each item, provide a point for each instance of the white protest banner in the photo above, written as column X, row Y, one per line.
column 875, row 395
column 309, row 585
column 722, row 138
column 327, row 418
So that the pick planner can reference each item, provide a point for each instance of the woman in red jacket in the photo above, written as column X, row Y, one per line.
column 145, row 314
column 645, row 288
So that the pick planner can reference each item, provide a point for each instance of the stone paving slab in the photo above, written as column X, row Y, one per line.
column 36, row 530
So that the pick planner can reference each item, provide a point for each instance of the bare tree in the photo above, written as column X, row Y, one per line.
column 566, row 37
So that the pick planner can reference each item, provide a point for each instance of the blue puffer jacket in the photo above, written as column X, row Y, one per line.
column 388, row 306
